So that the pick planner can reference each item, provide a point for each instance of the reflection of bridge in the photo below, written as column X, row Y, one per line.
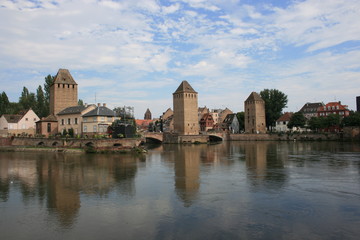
column 159, row 137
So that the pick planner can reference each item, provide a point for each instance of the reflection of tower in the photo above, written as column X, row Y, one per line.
column 63, row 92
column 187, row 172
column 255, row 155
column 185, row 102
column 255, row 114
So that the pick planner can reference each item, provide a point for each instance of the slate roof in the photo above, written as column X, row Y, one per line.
column 100, row 111
column 13, row 118
column 254, row 96
column 229, row 118
column 64, row 77
column 311, row 107
column 72, row 110
column 185, row 87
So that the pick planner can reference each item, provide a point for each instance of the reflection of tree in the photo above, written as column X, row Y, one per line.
column 124, row 174
column 4, row 189
column 187, row 172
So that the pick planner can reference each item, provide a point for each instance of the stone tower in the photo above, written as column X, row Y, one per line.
column 63, row 92
column 147, row 115
column 255, row 114
column 185, row 110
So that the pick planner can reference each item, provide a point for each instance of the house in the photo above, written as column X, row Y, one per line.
column 202, row 111
column 143, row 124
column 206, row 122
column 215, row 114
column 310, row 110
column 223, row 114
column 98, row 120
column 282, row 122
column 22, row 123
column 71, row 118
column 333, row 108
column 231, row 124
column 47, row 126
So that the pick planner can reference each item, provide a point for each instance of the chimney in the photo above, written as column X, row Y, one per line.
column 104, row 104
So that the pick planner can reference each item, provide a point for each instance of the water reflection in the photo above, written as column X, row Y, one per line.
column 62, row 178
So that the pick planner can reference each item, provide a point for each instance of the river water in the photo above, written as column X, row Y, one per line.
column 232, row 190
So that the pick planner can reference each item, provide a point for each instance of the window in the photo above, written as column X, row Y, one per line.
column 58, row 84
column 95, row 128
column 85, row 120
column 26, row 119
column 62, row 121
column 85, row 128
column 94, row 119
column 76, row 121
column 34, row 119
column 69, row 121
column 49, row 127
column 103, row 119
column 63, row 85
column 68, row 86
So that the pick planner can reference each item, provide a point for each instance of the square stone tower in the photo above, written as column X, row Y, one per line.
column 255, row 114
column 63, row 92
column 185, row 102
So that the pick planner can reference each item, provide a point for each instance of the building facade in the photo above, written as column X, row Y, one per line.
column 47, row 126
column 255, row 114
column 63, row 92
column 25, row 122
column 231, row 123
column 333, row 108
column 282, row 122
column 185, row 100
column 98, row 120
column 310, row 110
column 71, row 118
column 206, row 122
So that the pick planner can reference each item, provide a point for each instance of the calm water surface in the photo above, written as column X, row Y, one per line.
column 237, row 190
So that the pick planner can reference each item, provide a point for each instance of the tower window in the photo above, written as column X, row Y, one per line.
column 68, row 86
column 63, row 85
column 58, row 84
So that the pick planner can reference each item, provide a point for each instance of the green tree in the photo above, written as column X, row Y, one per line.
column 353, row 120
column 48, row 82
column 80, row 102
column 27, row 99
column 332, row 120
column 241, row 118
column 41, row 109
column 275, row 102
column 317, row 123
column 297, row 120
column 4, row 104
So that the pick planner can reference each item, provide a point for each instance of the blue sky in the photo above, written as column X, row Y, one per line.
column 136, row 53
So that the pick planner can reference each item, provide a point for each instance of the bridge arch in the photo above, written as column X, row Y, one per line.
column 215, row 138
column 89, row 144
column 41, row 144
column 54, row 144
column 152, row 140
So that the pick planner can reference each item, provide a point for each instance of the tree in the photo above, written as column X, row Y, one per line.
column 332, row 120
column 4, row 104
column 41, row 109
column 316, row 123
column 275, row 102
column 297, row 120
column 48, row 82
column 353, row 120
column 80, row 102
column 27, row 99
column 241, row 118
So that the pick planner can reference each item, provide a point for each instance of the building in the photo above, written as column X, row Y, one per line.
column 147, row 115
column 223, row 114
column 71, row 118
column 47, row 126
column 202, row 111
column 63, row 92
column 282, row 122
column 97, row 120
column 22, row 123
column 206, row 122
column 358, row 104
column 231, row 123
column 255, row 114
column 143, row 125
column 168, row 120
column 215, row 114
column 310, row 110
column 185, row 100
column 333, row 108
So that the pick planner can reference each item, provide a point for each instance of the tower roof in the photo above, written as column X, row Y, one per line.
column 185, row 87
column 254, row 96
column 63, row 76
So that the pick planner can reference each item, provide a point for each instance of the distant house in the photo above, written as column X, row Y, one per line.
column 168, row 120
column 282, row 122
column 98, row 120
column 202, row 111
column 310, row 110
column 223, row 114
column 206, row 122
column 71, row 117
column 143, row 124
column 333, row 108
column 231, row 124
column 47, row 126
column 23, row 123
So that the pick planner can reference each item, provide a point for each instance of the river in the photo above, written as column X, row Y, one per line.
column 232, row 190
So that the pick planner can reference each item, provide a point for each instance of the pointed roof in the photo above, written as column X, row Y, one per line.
column 100, row 111
column 147, row 111
column 50, row 118
column 185, row 87
column 254, row 96
column 64, row 77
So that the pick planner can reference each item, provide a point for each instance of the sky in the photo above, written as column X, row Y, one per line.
column 136, row 53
